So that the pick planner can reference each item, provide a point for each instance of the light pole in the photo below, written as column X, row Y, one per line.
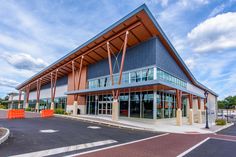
column 206, row 95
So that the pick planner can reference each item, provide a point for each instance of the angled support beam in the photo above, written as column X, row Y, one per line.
column 19, row 101
column 27, row 92
column 38, row 94
column 115, row 93
column 53, row 88
column 76, row 84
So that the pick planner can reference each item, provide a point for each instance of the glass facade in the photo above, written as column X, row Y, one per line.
column 137, row 105
column 170, row 78
column 166, row 105
column 139, row 75
column 45, row 103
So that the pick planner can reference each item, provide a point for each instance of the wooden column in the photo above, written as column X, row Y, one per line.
column 27, row 92
column 38, row 94
column 199, row 103
column 19, row 100
column 199, row 110
column 179, row 107
column 76, row 84
column 191, row 120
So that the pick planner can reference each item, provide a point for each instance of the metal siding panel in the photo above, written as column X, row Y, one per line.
column 138, row 56
column 166, row 62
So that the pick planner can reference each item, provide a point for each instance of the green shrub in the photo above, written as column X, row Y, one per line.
column 220, row 122
column 3, row 106
column 59, row 111
column 28, row 109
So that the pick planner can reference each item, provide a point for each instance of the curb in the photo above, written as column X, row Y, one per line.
column 105, row 123
column 224, row 127
column 5, row 137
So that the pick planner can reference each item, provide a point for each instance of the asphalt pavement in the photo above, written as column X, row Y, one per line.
column 36, row 134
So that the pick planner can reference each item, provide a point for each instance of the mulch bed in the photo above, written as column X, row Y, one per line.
column 2, row 132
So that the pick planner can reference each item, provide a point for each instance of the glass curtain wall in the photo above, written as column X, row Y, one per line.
column 147, row 105
column 135, row 104
column 124, row 104
column 166, row 105
column 138, row 104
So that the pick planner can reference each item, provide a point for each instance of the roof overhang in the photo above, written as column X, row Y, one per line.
column 147, row 85
column 142, row 26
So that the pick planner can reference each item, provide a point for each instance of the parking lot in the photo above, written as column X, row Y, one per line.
column 37, row 136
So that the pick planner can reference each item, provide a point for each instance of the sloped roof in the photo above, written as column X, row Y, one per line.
column 141, row 24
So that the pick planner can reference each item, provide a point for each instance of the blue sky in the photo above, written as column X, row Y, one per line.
column 34, row 34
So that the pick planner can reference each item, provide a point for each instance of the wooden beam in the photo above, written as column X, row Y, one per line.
column 123, row 31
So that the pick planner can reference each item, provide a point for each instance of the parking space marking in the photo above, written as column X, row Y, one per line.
column 94, row 127
column 48, row 131
column 66, row 149
column 118, row 145
column 192, row 148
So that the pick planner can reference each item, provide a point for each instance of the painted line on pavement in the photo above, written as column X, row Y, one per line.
column 118, row 145
column 223, row 139
column 66, row 149
column 192, row 148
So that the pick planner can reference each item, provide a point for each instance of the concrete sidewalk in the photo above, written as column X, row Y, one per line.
column 164, row 125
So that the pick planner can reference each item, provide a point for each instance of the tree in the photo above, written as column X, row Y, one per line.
column 6, row 97
column 221, row 104
column 228, row 102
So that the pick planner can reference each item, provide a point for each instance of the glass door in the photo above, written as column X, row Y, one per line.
column 109, row 108
column 100, row 108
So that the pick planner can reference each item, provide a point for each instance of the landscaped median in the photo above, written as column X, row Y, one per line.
column 4, row 134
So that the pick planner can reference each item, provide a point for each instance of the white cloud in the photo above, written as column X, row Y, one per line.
column 217, row 10
column 24, row 61
column 5, row 82
column 214, row 34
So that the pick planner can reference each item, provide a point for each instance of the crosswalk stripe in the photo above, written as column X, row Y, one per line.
column 55, row 151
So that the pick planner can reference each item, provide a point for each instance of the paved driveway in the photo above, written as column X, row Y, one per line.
column 37, row 134
column 229, row 131
column 221, row 144
column 214, row 148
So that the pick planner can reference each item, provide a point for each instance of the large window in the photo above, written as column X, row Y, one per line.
column 145, row 74
column 135, row 104
column 170, row 78
column 147, row 105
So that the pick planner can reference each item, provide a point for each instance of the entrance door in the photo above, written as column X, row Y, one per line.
column 104, row 108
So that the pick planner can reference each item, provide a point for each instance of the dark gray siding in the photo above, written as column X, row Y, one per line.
column 139, row 56
column 166, row 62
column 151, row 52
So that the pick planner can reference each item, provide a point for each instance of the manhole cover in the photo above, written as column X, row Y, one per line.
column 48, row 131
column 94, row 127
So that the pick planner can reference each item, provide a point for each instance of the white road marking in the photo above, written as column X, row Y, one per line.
column 94, row 127
column 192, row 148
column 48, row 131
column 223, row 139
column 65, row 149
column 114, row 146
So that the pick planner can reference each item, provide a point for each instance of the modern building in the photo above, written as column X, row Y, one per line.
column 13, row 100
column 129, row 70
